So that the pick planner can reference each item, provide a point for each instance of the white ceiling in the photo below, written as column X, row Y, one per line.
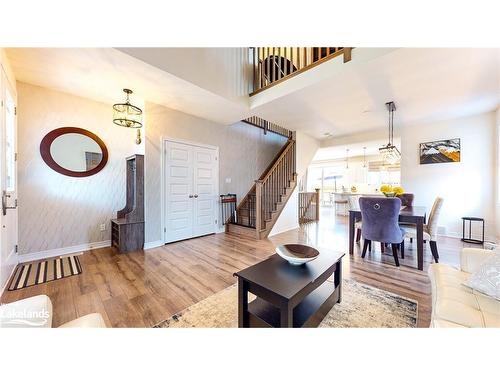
column 101, row 74
column 355, row 149
column 426, row 84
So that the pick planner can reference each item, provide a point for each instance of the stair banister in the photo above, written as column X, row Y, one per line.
column 258, row 205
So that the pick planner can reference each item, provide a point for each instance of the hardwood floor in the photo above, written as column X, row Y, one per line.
column 142, row 288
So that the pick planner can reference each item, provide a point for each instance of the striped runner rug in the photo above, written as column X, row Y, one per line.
column 43, row 271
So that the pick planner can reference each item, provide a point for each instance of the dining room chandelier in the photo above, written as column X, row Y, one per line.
column 390, row 152
column 128, row 115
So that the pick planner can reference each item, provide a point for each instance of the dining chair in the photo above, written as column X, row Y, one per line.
column 354, row 205
column 430, row 229
column 380, row 223
column 406, row 199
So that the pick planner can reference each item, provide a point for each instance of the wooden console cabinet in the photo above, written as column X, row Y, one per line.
column 127, row 230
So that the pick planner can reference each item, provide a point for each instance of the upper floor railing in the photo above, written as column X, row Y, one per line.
column 268, row 126
column 272, row 65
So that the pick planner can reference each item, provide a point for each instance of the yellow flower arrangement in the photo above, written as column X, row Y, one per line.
column 390, row 191
column 398, row 190
column 386, row 189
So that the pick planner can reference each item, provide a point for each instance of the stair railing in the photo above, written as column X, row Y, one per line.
column 272, row 65
column 270, row 189
column 308, row 206
column 248, row 202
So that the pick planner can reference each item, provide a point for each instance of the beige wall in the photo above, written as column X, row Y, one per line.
column 244, row 153
column 468, row 187
column 57, row 211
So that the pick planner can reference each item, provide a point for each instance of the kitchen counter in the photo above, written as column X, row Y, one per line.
column 366, row 194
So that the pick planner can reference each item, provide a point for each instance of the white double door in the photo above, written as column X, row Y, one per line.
column 191, row 181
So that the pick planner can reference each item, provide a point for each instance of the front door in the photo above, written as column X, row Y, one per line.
column 191, row 190
column 8, row 180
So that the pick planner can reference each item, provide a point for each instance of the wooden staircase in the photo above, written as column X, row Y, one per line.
column 258, row 211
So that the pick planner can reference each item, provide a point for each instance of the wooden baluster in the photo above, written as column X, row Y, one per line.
column 268, row 62
column 347, row 54
column 282, row 182
column 286, row 69
column 258, row 207
column 273, row 66
column 317, row 204
column 266, row 205
column 300, row 207
column 280, row 76
column 271, row 193
column 249, row 206
column 255, row 65
column 275, row 187
column 262, row 79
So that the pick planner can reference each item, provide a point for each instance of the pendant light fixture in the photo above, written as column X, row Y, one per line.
column 364, row 157
column 347, row 159
column 390, row 152
column 128, row 115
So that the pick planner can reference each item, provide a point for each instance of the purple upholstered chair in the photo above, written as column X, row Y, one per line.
column 380, row 223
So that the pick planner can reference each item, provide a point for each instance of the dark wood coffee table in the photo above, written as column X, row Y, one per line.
column 289, row 296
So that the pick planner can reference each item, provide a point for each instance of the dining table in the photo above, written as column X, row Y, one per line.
column 408, row 215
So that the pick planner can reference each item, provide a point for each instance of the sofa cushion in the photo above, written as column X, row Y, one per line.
column 439, row 323
column 27, row 313
column 458, row 313
column 94, row 320
column 455, row 304
column 486, row 279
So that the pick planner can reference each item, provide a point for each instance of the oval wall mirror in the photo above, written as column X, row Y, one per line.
column 74, row 152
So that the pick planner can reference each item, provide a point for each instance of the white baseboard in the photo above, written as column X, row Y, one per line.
column 295, row 226
column 14, row 264
column 459, row 236
column 153, row 244
column 62, row 251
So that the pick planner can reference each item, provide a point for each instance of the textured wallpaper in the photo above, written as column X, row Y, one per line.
column 244, row 153
column 58, row 211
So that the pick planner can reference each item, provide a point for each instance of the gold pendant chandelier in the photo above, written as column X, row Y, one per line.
column 390, row 152
column 128, row 115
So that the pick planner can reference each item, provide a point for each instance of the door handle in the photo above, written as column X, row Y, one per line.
column 4, row 203
column 196, row 195
column 190, row 196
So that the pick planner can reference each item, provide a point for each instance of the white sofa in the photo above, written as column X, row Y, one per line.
column 37, row 312
column 456, row 305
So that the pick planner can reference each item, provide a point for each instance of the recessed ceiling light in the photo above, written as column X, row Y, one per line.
column 327, row 134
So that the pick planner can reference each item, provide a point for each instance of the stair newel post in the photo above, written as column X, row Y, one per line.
column 317, row 204
column 258, row 207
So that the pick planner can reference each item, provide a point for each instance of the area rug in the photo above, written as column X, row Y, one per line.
column 43, row 271
column 362, row 306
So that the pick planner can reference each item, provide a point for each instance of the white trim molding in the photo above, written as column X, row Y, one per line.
column 153, row 244
column 29, row 257
column 14, row 262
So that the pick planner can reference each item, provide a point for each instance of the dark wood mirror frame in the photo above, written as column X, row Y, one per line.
column 47, row 157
